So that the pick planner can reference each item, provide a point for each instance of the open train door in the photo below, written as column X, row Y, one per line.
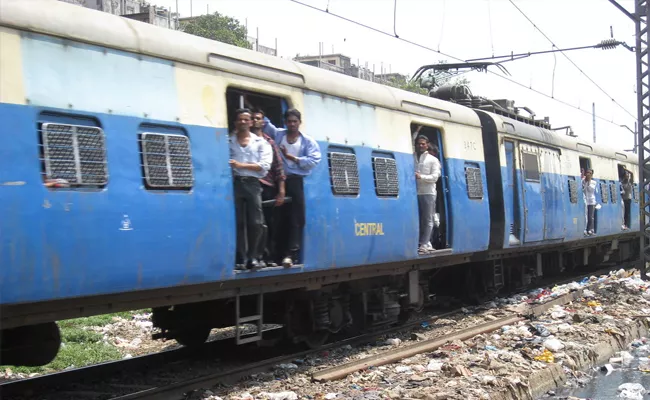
column 553, row 185
column 533, row 195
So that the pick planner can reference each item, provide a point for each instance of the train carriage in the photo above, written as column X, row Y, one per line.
column 132, row 122
column 538, row 173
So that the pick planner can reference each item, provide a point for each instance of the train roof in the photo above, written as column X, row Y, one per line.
column 553, row 138
column 77, row 23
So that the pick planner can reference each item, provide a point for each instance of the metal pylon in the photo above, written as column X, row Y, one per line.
column 641, row 17
column 642, row 14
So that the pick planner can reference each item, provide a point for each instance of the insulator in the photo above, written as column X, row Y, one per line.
column 608, row 44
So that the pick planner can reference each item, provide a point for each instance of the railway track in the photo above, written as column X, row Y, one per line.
column 171, row 374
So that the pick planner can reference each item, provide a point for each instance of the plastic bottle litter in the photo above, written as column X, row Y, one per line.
column 553, row 344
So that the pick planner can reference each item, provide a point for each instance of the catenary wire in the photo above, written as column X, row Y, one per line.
column 610, row 121
column 571, row 61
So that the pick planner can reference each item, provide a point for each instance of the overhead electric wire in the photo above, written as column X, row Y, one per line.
column 571, row 61
column 452, row 57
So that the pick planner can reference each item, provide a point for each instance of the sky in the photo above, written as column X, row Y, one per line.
column 469, row 29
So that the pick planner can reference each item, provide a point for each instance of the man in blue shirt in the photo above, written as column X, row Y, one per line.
column 300, row 154
column 250, row 160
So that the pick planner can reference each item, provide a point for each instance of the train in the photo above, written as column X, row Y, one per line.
column 83, row 92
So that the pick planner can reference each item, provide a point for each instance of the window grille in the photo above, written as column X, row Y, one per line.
column 167, row 160
column 74, row 153
column 344, row 173
column 386, row 179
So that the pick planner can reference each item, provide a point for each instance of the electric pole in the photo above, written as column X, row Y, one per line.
column 640, row 17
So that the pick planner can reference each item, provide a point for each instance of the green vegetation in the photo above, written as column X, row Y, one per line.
column 80, row 346
column 218, row 27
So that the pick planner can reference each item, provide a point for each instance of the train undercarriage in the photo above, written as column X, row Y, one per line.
column 312, row 316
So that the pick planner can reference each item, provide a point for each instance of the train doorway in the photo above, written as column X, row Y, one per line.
column 440, row 233
column 512, row 195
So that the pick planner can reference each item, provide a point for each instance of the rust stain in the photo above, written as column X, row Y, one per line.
column 14, row 183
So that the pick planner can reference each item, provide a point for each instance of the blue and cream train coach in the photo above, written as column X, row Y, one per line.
column 90, row 223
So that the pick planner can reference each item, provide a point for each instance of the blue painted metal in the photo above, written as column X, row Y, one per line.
column 533, row 210
column 553, row 184
column 64, row 243
column 68, row 242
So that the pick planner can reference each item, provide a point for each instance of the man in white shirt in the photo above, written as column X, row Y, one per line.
column 427, row 172
column 250, row 159
column 589, row 189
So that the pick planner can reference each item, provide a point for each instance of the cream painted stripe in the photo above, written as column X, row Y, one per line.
column 12, row 89
column 202, row 95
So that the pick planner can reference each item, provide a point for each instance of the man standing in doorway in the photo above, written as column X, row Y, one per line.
column 589, row 189
column 273, row 188
column 300, row 154
column 427, row 173
column 250, row 160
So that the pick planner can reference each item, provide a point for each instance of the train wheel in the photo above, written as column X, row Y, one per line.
column 192, row 337
column 315, row 340
column 31, row 345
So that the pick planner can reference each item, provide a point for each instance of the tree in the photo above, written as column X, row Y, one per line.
column 218, row 27
column 402, row 82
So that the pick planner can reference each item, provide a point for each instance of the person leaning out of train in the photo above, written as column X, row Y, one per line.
column 627, row 188
column 250, row 159
column 273, row 188
column 589, row 189
column 426, row 174
column 300, row 154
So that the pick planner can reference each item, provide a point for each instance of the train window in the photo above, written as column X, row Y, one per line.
column 73, row 155
column 573, row 190
column 531, row 167
column 613, row 192
column 166, row 160
column 273, row 106
column 604, row 192
column 474, row 181
column 344, row 171
column 636, row 193
column 386, row 179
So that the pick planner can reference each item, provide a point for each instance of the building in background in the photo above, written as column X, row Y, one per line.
column 337, row 63
column 140, row 10
column 133, row 9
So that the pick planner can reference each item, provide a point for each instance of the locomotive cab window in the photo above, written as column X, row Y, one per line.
column 73, row 151
column 531, row 167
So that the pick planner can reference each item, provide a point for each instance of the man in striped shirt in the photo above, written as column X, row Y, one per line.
column 273, row 188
